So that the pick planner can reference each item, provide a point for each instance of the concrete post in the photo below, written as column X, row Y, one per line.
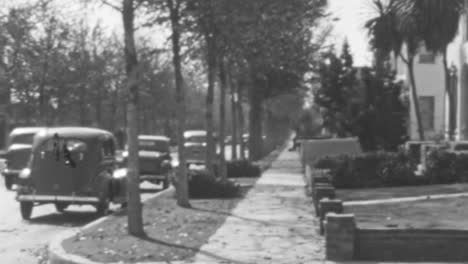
column 340, row 233
column 329, row 206
column 320, row 193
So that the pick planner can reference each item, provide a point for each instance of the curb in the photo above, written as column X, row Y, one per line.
column 58, row 255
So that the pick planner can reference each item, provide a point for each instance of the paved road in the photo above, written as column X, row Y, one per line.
column 23, row 242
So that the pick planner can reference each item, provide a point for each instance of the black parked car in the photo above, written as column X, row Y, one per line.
column 154, row 158
column 18, row 151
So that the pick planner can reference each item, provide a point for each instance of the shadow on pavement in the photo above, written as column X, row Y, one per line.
column 67, row 218
column 157, row 241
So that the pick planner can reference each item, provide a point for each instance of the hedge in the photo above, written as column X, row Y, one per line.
column 242, row 168
column 371, row 170
column 202, row 185
column 446, row 167
column 390, row 169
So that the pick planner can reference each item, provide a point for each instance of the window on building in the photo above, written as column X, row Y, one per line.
column 426, row 107
column 427, row 58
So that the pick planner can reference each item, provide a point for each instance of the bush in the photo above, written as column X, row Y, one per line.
column 443, row 167
column 202, row 185
column 242, row 168
column 370, row 170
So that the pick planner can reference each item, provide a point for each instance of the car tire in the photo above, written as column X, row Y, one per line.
column 8, row 182
column 61, row 207
column 102, row 208
column 166, row 183
column 26, row 210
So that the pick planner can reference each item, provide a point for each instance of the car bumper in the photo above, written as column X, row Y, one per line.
column 56, row 198
column 195, row 161
column 11, row 173
column 152, row 177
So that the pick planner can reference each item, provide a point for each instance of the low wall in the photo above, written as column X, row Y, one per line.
column 313, row 149
column 363, row 244
column 411, row 245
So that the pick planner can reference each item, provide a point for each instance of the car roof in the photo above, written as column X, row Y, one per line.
column 69, row 132
column 191, row 133
column 25, row 130
column 153, row 137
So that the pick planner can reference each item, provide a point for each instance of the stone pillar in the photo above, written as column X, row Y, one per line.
column 320, row 193
column 340, row 234
column 329, row 206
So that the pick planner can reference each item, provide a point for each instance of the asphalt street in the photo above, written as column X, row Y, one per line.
column 23, row 242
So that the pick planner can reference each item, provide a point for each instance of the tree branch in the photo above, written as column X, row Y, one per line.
column 107, row 3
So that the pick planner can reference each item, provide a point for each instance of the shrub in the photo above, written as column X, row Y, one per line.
column 398, row 170
column 370, row 170
column 242, row 168
column 446, row 167
column 202, row 185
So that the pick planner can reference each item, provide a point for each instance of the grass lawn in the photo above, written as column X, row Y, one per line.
column 393, row 192
column 448, row 213
column 173, row 233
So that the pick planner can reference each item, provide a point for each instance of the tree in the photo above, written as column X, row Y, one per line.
column 382, row 120
column 439, row 22
column 388, row 32
column 222, row 119
column 174, row 7
column 135, row 219
column 336, row 94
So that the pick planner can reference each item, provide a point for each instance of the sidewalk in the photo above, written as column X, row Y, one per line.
column 275, row 223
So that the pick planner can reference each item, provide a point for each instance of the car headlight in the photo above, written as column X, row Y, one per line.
column 166, row 164
column 25, row 173
column 120, row 173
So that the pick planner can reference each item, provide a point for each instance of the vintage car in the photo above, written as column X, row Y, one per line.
column 19, row 145
column 195, row 147
column 71, row 165
column 154, row 159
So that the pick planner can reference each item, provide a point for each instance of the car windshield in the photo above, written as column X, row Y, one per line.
column 153, row 145
column 22, row 139
column 196, row 139
column 73, row 145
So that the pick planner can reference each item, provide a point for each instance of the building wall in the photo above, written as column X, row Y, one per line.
column 456, row 56
column 429, row 78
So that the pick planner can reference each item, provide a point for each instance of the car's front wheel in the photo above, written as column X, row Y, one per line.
column 8, row 182
column 102, row 208
column 61, row 207
column 26, row 210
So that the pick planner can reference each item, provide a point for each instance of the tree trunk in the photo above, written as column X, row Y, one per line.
column 211, row 144
column 135, row 219
column 451, row 97
column 182, row 184
column 414, row 94
column 98, row 107
column 255, row 128
column 240, row 113
column 222, row 120
column 82, row 105
column 234, row 116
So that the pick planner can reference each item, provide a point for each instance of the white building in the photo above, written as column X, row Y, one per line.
column 430, row 85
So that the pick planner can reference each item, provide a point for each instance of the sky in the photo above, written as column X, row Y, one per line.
column 352, row 15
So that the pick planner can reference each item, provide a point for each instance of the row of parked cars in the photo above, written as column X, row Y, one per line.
column 81, row 165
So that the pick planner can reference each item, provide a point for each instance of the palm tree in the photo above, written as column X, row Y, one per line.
column 388, row 32
column 438, row 22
